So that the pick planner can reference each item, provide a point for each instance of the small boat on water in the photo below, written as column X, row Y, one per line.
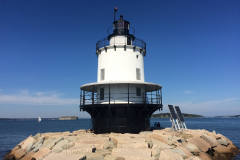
column 39, row 119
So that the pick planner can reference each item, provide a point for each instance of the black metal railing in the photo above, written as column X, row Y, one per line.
column 91, row 98
column 136, row 43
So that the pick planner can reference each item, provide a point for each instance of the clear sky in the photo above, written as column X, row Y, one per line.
column 47, row 51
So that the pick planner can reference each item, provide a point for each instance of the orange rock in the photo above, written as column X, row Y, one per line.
column 186, row 151
column 19, row 153
column 204, row 156
column 222, row 149
column 42, row 152
column 233, row 148
column 158, row 138
column 27, row 142
column 28, row 156
column 202, row 144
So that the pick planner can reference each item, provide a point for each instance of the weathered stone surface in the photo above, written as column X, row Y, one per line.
column 145, row 132
column 27, row 142
column 109, row 157
column 194, row 158
column 48, row 141
column 130, row 153
column 80, row 148
column 64, row 156
column 210, row 140
column 53, row 143
column 133, row 145
column 96, row 158
column 29, row 147
column 72, row 139
column 186, row 151
column 131, row 140
column 203, row 145
column 41, row 153
column 69, row 145
column 37, row 145
column 223, row 141
column 109, row 145
column 168, row 154
column 158, row 138
column 19, row 153
column 192, row 147
column 204, row 156
column 98, row 144
column 103, row 152
column 233, row 148
column 38, row 135
column 58, row 147
column 179, row 151
column 222, row 149
column 160, row 144
column 36, row 148
column 28, row 156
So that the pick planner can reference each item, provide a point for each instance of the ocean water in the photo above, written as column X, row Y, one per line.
column 13, row 132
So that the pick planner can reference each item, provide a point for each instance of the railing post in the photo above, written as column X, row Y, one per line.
column 145, row 94
column 109, row 94
column 83, row 97
column 156, row 95
column 161, row 95
column 93, row 96
column 80, row 96
column 128, row 93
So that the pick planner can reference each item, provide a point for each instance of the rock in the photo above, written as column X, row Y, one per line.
column 72, row 139
column 222, row 149
column 133, row 145
column 194, row 158
column 186, row 136
column 210, row 140
column 132, row 153
column 158, row 138
column 109, row 145
column 145, row 132
column 98, row 144
column 214, row 133
column 36, row 149
column 109, row 157
column 64, row 156
column 38, row 144
column 200, row 143
column 168, row 154
column 19, row 153
column 160, row 144
column 53, row 143
column 29, row 147
column 58, row 147
column 192, row 148
column 233, row 148
column 69, row 145
column 80, row 148
column 48, row 141
column 179, row 151
column 38, row 135
column 28, row 156
column 27, row 142
column 103, row 152
column 204, row 156
column 96, row 158
column 186, row 151
column 41, row 153
column 223, row 141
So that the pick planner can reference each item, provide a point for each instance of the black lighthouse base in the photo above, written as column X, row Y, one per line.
column 120, row 118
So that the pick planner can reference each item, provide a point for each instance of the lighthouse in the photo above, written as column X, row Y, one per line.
column 120, row 101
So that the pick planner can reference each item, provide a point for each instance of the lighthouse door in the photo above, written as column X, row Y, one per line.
column 128, row 40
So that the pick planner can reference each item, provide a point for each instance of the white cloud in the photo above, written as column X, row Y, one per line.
column 36, row 98
column 188, row 92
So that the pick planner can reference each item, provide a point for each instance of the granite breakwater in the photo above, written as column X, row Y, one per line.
column 148, row 145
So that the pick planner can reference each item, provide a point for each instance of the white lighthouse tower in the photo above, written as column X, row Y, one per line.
column 120, row 101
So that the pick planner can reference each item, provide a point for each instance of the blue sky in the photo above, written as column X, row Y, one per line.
column 47, row 51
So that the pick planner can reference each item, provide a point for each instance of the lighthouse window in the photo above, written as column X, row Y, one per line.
column 120, row 25
column 138, row 91
column 102, row 74
column 128, row 40
column 138, row 74
column 101, row 93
